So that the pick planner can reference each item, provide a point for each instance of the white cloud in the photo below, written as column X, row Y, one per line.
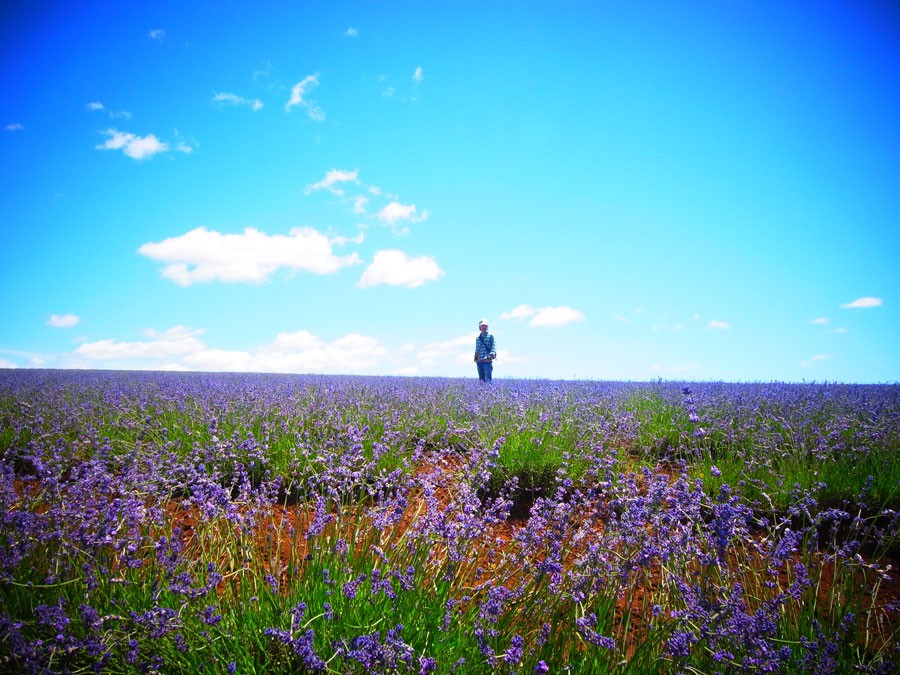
column 351, row 32
column 553, row 317
column 341, row 241
column 717, row 325
column 63, row 320
column 815, row 359
column 137, row 147
column 14, row 126
column 298, row 352
column 333, row 177
column 821, row 321
column 263, row 73
column 357, row 195
column 227, row 98
column 519, row 312
column 25, row 359
column 297, row 98
column 175, row 342
column 863, row 303
column 352, row 352
column 456, row 350
column 545, row 317
column 395, row 268
column 158, row 34
column 395, row 212
column 180, row 348
column 417, row 75
column 202, row 255
column 622, row 318
column 114, row 114
column 359, row 204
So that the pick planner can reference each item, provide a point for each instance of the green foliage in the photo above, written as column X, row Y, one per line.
column 660, row 427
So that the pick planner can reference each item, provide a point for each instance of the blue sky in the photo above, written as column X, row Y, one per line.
column 640, row 190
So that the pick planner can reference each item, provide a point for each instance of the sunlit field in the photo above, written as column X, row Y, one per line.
column 190, row 522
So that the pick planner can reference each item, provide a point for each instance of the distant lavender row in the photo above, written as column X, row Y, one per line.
column 648, row 526
column 265, row 425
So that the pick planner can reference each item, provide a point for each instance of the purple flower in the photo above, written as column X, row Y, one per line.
column 544, row 635
column 377, row 656
column 55, row 617
column 91, row 617
column 210, row 615
column 494, row 605
column 680, row 643
column 585, row 627
column 514, row 653
column 302, row 645
column 407, row 579
column 133, row 649
column 350, row 588
column 448, row 614
column 483, row 646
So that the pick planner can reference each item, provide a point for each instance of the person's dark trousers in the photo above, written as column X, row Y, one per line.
column 485, row 369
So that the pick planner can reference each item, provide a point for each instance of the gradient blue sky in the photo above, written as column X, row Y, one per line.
column 626, row 190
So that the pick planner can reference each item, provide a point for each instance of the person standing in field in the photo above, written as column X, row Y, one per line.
column 485, row 352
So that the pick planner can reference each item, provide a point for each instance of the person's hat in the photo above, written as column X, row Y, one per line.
column 483, row 322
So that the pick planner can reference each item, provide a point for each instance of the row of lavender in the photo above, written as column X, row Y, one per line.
column 173, row 522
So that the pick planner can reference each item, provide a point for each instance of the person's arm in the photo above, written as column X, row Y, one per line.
column 493, row 348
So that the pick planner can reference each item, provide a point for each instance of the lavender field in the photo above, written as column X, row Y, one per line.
column 221, row 523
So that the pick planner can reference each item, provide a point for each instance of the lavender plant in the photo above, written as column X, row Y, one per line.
column 173, row 522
